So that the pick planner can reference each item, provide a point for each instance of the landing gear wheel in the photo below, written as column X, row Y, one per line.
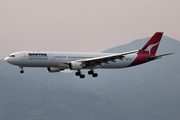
column 90, row 72
column 82, row 76
column 95, row 75
column 22, row 71
column 77, row 73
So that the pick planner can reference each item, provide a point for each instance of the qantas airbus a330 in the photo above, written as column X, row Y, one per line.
column 58, row 61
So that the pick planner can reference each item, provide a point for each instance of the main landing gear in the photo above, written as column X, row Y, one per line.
column 78, row 73
column 21, row 71
column 91, row 72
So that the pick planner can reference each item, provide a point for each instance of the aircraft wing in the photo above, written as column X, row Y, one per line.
column 91, row 62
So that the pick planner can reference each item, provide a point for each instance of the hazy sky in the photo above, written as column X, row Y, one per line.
column 83, row 25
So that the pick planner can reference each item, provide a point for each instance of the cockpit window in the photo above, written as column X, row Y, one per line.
column 11, row 55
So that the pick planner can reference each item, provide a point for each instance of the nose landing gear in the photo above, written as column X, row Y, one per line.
column 21, row 71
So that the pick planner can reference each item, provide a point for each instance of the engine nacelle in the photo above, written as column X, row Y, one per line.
column 54, row 69
column 74, row 65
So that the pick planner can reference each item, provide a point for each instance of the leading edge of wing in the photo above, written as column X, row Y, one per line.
column 108, row 57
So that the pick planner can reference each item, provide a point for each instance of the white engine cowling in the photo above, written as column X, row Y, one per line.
column 54, row 69
column 74, row 65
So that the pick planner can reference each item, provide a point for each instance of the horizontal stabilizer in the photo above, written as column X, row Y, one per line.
column 157, row 57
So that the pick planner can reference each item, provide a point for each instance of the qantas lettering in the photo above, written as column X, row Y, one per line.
column 37, row 54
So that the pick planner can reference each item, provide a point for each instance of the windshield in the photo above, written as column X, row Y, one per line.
column 11, row 55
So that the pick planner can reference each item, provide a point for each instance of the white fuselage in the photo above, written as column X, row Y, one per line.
column 61, row 59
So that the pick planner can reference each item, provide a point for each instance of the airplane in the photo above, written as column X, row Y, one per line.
column 59, row 61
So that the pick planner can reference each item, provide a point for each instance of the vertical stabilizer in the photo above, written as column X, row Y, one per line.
column 152, row 45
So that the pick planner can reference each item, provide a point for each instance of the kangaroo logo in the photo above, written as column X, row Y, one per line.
column 150, row 47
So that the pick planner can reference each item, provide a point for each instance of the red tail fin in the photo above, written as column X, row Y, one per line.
column 152, row 45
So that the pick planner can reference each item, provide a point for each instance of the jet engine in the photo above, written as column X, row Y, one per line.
column 74, row 65
column 54, row 69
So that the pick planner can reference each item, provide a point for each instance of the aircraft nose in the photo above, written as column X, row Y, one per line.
column 7, row 59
